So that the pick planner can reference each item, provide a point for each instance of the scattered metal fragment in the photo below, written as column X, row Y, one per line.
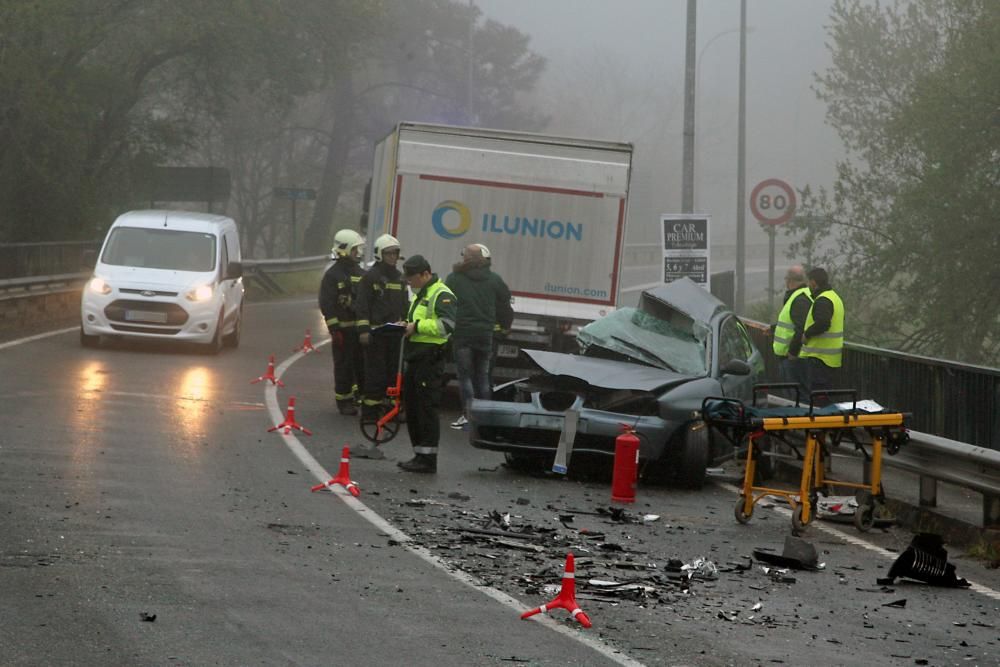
column 896, row 603
column 146, row 617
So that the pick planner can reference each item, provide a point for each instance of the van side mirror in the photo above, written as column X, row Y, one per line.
column 234, row 270
column 88, row 259
column 735, row 367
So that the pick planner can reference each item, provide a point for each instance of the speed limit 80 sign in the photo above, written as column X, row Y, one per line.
column 772, row 202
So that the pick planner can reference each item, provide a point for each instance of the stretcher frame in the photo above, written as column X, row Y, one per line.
column 886, row 429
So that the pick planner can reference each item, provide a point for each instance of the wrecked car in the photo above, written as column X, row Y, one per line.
column 648, row 368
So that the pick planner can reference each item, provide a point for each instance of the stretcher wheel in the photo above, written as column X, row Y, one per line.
column 797, row 526
column 741, row 516
column 864, row 516
column 369, row 428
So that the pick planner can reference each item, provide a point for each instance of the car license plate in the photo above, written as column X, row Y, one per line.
column 145, row 316
column 542, row 421
column 508, row 351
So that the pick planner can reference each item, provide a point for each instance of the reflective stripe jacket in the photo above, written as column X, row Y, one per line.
column 337, row 293
column 381, row 297
column 824, row 334
column 433, row 310
column 791, row 323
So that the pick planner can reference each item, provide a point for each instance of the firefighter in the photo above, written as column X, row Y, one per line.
column 429, row 324
column 382, row 299
column 337, row 300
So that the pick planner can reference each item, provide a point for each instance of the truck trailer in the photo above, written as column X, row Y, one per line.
column 552, row 211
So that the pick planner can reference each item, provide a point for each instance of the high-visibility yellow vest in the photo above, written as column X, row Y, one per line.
column 828, row 346
column 785, row 328
column 430, row 328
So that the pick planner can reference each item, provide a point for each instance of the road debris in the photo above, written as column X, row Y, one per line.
column 925, row 560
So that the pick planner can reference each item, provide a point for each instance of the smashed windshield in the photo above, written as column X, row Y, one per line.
column 160, row 249
column 639, row 335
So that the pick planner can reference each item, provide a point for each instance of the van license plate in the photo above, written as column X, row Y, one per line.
column 507, row 351
column 145, row 316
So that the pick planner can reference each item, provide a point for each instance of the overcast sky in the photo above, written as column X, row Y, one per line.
column 619, row 66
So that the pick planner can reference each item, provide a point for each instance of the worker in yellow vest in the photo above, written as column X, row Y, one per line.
column 823, row 344
column 788, row 330
column 430, row 322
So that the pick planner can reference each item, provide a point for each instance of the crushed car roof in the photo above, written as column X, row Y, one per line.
column 682, row 296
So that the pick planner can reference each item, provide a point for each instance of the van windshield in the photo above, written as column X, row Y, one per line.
column 160, row 249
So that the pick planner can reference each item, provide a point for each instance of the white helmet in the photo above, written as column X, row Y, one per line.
column 345, row 241
column 484, row 252
column 385, row 242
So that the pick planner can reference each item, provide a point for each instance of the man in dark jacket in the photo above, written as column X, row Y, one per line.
column 336, row 300
column 483, row 305
column 382, row 299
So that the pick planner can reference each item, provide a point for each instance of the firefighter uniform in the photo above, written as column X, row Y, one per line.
column 432, row 312
column 382, row 298
column 337, row 301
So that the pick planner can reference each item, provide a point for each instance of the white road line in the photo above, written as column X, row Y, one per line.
column 858, row 542
column 365, row 512
column 47, row 334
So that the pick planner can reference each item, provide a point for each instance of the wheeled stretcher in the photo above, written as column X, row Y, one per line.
column 823, row 427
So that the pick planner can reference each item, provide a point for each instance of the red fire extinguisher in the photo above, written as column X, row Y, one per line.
column 626, row 466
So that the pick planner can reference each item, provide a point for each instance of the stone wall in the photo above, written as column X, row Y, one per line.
column 25, row 310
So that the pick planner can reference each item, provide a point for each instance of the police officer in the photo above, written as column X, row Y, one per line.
column 787, row 343
column 382, row 299
column 336, row 300
column 823, row 344
column 429, row 323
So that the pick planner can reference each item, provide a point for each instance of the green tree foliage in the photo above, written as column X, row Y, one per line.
column 909, row 229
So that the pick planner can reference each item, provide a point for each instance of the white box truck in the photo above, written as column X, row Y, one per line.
column 551, row 210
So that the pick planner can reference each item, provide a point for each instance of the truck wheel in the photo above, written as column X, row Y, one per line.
column 689, row 454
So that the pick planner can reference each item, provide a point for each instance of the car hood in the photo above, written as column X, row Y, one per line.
column 155, row 279
column 606, row 373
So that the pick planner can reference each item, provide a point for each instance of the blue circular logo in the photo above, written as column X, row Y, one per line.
column 464, row 219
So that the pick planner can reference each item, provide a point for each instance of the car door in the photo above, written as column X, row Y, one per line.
column 735, row 343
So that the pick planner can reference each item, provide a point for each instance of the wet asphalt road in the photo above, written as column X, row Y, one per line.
column 140, row 480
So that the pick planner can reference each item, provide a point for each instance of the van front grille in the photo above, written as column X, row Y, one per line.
column 146, row 292
column 149, row 312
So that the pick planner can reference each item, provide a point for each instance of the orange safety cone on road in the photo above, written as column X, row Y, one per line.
column 307, row 345
column 343, row 476
column 269, row 375
column 566, row 598
column 290, row 422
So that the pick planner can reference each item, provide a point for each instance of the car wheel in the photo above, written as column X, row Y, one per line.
column 689, row 456
column 215, row 345
column 233, row 339
column 86, row 340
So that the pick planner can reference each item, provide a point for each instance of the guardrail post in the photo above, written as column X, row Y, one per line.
column 928, row 491
column 991, row 511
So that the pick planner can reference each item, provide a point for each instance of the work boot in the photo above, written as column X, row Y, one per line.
column 420, row 463
column 347, row 408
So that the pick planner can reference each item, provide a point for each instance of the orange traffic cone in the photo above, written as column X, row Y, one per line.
column 566, row 598
column 307, row 345
column 290, row 422
column 269, row 375
column 343, row 476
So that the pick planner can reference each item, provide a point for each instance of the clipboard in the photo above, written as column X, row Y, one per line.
column 388, row 328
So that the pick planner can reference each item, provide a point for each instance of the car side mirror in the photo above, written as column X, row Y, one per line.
column 234, row 270
column 88, row 259
column 735, row 367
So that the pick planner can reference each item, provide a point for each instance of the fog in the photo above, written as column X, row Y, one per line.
column 616, row 71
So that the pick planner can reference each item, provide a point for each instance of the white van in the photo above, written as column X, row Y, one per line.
column 170, row 275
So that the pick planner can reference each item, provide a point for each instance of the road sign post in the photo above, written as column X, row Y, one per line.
column 772, row 202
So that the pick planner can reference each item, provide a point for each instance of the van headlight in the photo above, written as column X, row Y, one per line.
column 199, row 293
column 98, row 286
